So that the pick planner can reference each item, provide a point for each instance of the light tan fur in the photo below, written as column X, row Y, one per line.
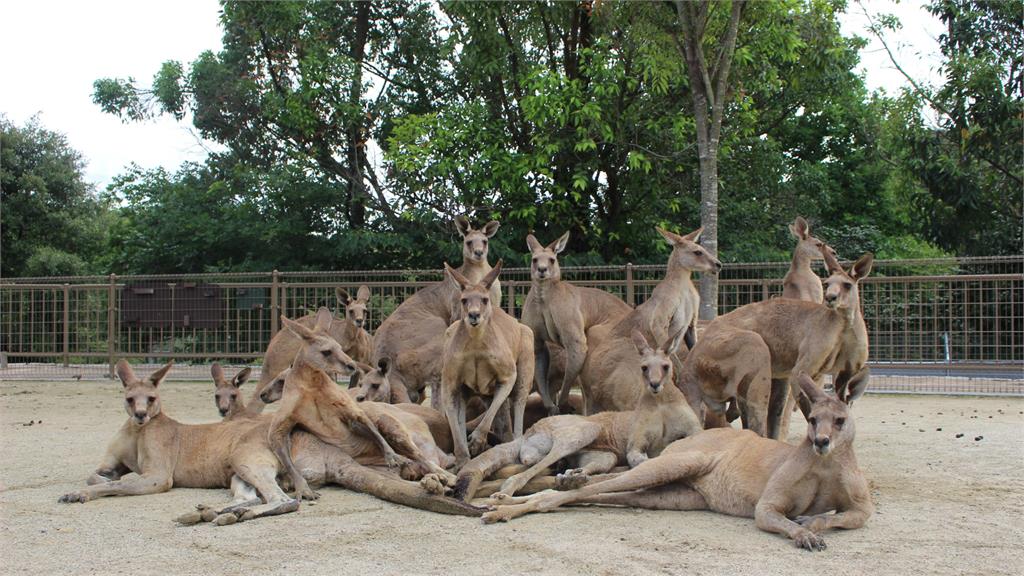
column 818, row 339
column 800, row 282
column 611, row 371
column 563, row 314
column 786, row 489
column 488, row 354
column 312, row 400
column 596, row 444
column 730, row 365
column 411, row 337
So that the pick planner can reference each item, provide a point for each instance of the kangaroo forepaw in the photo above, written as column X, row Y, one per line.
column 809, row 541
column 571, row 479
column 74, row 497
column 189, row 518
column 478, row 444
column 307, row 493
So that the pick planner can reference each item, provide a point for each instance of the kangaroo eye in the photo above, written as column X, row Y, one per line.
column 664, row 367
column 465, row 301
column 486, row 301
column 375, row 386
column 696, row 252
column 325, row 353
column 813, row 421
column 847, row 285
column 840, row 422
column 485, row 242
column 644, row 369
column 151, row 399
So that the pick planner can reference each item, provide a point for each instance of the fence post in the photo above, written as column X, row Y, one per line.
column 67, row 316
column 764, row 289
column 511, row 300
column 274, row 308
column 110, row 325
column 630, row 296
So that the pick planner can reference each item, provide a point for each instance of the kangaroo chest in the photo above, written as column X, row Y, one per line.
column 482, row 373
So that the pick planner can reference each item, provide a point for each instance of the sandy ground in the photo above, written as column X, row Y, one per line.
column 945, row 505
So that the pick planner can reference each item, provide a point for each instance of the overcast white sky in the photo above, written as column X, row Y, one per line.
column 52, row 51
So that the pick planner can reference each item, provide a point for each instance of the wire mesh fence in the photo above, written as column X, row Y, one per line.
column 939, row 325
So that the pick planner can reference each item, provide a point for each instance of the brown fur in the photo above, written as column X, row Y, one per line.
column 489, row 354
column 411, row 337
column 786, row 489
column 561, row 313
column 800, row 282
column 596, row 444
column 312, row 400
column 611, row 371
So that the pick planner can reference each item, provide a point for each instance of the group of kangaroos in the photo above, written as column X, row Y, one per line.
column 503, row 434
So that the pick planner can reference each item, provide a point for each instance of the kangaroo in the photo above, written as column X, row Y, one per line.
column 227, row 394
column 730, row 365
column 611, row 371
column 412, row 335
column 486, row 353
column 818, row 339
column 348, row 331
column 596, row 444
column 312, row 400
column 800, row 282
column 564, row 314
column 786, row 489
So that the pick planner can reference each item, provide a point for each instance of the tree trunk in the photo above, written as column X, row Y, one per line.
column 356, row 151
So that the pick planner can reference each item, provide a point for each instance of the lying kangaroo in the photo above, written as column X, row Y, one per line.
column 598, row 443
column 611, row 371
column 412, row 335
column 228, row 393
column 487, row 353
column 818, row 339
column 800, row 282
column 312, row 400
column 564, row 314
column 786, row 489
column 730, row 365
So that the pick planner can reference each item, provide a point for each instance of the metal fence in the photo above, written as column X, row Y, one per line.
column 940, row 325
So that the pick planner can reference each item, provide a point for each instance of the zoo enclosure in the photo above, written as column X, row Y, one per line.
column 941, row 325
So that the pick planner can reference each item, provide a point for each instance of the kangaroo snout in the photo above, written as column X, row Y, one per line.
column 822, row 444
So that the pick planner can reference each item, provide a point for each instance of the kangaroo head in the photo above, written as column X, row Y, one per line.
column 227, row 393
column 373, row 383
column 319, row 349
column 474, row 242
column 687, row 254
column 475, row 298
column 656, row 363
column 274, row 389
column 544, row 259
column 829, row 426
column 141, row 397
column 806, row 245
column 841, row 285
column 355, row 308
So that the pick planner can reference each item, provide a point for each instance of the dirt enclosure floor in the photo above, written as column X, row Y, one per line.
column 945, row 505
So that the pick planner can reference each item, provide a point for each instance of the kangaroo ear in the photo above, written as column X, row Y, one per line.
column 640, row 342
column 491, row 228
column 491, row 276
column 695, row 235
column 157, row 377
column 125, row 373
column 532, row 243
column 353, row 380
column 384, row 364
column 323, row 319
column 296, row 328
column 242, row 377
column 672, row 345
column 363, row 293
column 831, row 262
column 275, row 389
column 559, row 245
column 862, row 267
column 799, row 228
column 456, row 277
column 343, row 296
column 671, row 237
column 217, row 372
column 857, row 385
column 810, row 389
column 462, row 224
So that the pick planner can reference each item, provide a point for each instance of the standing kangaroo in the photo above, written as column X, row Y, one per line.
column 597, row 443
column 611, row 371
column 786, row 489
column 487, row 353
column 411, row 336
column 817, row 339
column 800, row 282
column 564, row 314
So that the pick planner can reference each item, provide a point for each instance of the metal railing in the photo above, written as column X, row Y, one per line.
column 944, row 325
